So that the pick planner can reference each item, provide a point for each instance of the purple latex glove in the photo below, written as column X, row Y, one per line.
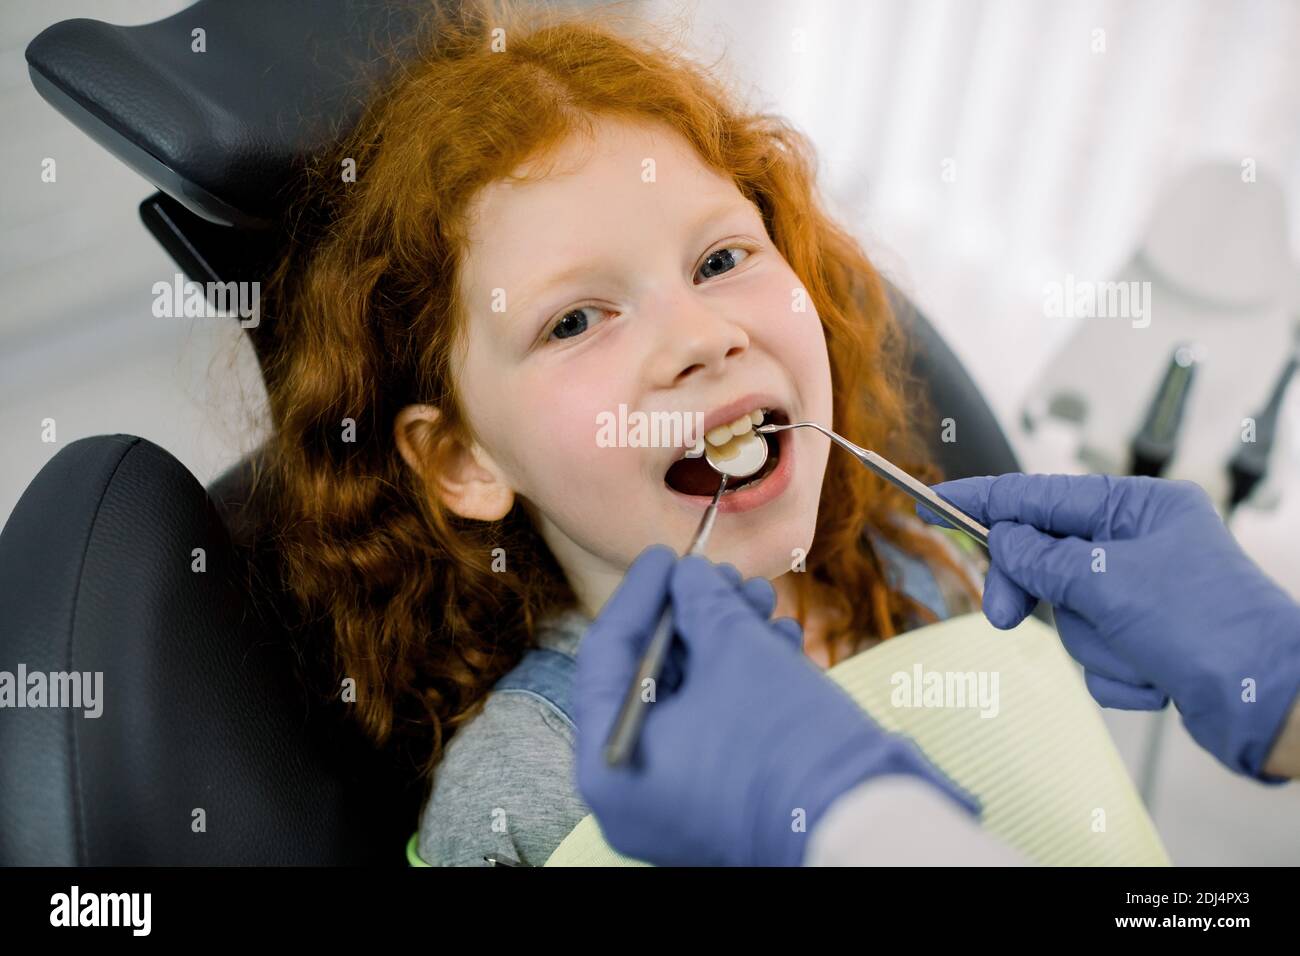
column 1153, row 596
column 742, row 756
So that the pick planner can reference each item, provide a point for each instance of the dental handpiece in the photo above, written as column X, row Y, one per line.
column 899, row 479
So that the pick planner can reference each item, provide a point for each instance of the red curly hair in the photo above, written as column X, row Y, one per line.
column 363, row 310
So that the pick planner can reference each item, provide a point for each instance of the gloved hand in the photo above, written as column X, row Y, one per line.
column 740, row 759
column 1152, row 595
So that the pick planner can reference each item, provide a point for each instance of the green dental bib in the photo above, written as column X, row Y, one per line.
column 1005, row 714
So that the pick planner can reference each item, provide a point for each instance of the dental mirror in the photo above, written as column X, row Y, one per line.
column 741, row 457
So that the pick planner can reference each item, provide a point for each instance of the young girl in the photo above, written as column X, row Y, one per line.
column 552, row 217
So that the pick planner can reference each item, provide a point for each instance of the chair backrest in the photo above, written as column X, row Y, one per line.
column 948, row 390
column 206, row 748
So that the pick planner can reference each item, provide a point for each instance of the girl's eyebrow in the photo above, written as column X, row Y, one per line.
column 559, row 278
column 731, row 205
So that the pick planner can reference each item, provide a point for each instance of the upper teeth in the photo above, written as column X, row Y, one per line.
column 722, row 434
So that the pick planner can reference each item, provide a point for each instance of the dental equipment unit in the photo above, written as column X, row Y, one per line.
column 1249, row 465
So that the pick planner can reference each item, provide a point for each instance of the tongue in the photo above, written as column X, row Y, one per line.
column 693, row 476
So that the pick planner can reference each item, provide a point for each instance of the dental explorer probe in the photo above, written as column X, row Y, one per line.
column 742, row 456
column 898, row 478
column 623, row 738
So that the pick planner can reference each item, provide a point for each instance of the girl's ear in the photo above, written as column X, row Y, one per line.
column 466, row 480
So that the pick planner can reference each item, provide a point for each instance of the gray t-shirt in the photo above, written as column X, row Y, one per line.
column 505, row 784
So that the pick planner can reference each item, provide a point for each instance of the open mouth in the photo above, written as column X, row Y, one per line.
column 695, row 476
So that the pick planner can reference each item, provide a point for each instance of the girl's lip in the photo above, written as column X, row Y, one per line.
column 752, row 496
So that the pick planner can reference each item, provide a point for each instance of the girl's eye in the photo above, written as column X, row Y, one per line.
column 572, row 323
column 722, row 260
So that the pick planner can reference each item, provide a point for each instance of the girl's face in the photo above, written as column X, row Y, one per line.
column 635, row 276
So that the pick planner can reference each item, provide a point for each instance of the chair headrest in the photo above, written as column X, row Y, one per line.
column 221, row 120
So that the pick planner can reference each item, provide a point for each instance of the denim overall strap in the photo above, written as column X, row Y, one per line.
column 545, row 675
column 912, row 575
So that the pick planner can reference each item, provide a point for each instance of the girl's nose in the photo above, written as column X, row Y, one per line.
column 695, row 339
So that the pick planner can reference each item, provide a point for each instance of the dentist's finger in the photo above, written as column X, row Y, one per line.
column 731, row 573
column 1005, row 603
column 1086, row 645
column 706, row 609
column 1120, row 696
column 758, row 591
column 760, row 594
column 790, row 629
column 1057, row 570
column 1062, row 505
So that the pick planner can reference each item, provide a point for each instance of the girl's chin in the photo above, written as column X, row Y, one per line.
column 767, row 555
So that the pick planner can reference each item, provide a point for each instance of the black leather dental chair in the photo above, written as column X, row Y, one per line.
column 209, row 749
